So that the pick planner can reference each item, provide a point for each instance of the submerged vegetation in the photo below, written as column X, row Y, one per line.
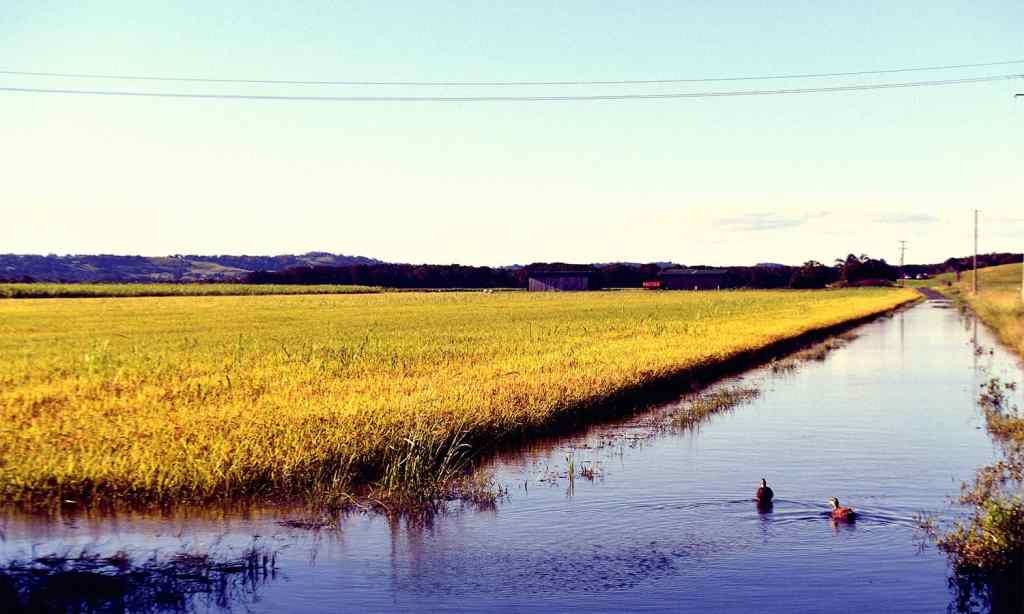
column 987, row 549
column 705, row 405
column 41, row 290
column 89, row 582
column 817, row 353
column 163, row 399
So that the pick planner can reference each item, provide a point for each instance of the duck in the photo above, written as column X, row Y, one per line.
column 764, row 493
column 841, row 513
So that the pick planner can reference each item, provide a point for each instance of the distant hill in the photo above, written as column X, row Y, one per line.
column 964, row 263
column 179, row 267
column 324, row 267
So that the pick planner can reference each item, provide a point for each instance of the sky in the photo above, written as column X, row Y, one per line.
column 739, row 180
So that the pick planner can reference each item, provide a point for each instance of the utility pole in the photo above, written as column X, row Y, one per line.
column 1022, row 259
column 974, row 277
column 903, row 250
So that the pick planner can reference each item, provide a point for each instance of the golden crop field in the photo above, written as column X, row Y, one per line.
column 47, row 290
column 209, row 397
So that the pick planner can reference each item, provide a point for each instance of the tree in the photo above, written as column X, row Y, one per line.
column 812, row 274
column 856, row 269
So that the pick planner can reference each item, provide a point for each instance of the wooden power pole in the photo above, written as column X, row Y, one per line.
column 903, row 250
column 974, row 276
column 1022, row 259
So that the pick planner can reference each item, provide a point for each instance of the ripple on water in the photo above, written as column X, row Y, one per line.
column 571, row 567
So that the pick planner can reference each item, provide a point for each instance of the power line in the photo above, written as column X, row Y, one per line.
column 124, row 77
column 596, row 97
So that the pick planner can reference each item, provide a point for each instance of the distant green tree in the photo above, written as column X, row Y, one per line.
column 812, row 274
column 856, row 269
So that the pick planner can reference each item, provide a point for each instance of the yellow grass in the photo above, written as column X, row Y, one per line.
column 998, row 302
column 919, row 283
column 46, row 290
column 206, row 397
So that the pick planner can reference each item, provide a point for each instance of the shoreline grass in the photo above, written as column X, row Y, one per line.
column 110, row 290
column 211, row 398
column 986, row 549
column 998, row 302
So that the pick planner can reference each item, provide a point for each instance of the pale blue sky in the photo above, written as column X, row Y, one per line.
column 724, row 180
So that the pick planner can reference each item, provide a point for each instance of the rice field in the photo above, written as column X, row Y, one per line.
column 209, row 397
column 88, row 290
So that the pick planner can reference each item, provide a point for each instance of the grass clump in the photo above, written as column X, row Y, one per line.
column 171, row 399
column 1004, row 421
column 993, row 537
column 816, row 353
column 705, row 405
column 987, row 549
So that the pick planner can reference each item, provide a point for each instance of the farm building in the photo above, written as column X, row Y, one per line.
column 555, row 281
column 695, row 279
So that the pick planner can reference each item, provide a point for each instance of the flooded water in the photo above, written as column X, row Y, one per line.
column 665, row 521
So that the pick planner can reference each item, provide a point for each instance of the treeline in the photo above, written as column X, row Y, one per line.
column 852, row 270
column 953, row 265
column 452, row 275
column 324, row 268
column 430, row 276
column 390, row 276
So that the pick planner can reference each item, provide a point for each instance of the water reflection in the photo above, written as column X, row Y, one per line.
column 985, row 593
column 900, row 317
column 839, row 526
column 88, row 582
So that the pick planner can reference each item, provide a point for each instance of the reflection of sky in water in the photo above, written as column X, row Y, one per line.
column 887, row 424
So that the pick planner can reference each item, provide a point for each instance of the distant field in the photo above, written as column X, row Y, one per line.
column 998, row 302
column 86, row 290
column 923, row 283
column 211, row 397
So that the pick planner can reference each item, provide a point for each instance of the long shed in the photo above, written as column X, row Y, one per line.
column 695, row 279
column 560, row 281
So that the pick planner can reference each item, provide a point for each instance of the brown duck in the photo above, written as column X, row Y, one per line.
column 841, row 513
